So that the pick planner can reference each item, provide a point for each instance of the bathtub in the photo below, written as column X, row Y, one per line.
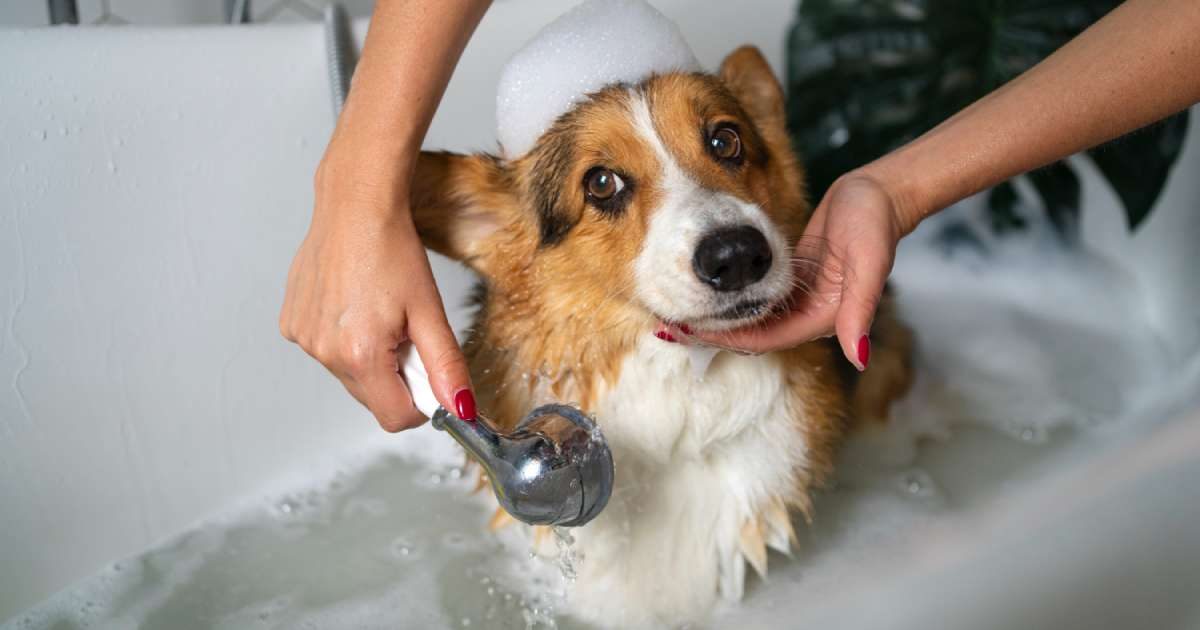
column 168, row 461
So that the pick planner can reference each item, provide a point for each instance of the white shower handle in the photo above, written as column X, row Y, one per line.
column 417, row 378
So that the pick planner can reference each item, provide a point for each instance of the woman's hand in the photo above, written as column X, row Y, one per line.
column 841, row 264
column 1108, row 81
column 360, row 287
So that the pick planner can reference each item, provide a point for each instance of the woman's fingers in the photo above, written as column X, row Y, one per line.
column 861, row 290
column 385, row 393
column 359, row 286
column 443, row 358
column 792, row 329
column 841, row 264
column 863, row 226
column 363, row 358
column 385, row 403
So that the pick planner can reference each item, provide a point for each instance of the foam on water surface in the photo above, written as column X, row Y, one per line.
column 1030, row 362
column 596, row 44
column 1011, row 389
column 395, row 544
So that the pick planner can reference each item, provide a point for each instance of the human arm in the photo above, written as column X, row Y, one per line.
column 1133, row 67
column 360, row 285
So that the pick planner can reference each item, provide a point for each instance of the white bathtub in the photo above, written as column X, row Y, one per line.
column 157, row 182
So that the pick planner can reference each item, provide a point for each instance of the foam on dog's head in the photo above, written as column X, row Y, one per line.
column 596, row 44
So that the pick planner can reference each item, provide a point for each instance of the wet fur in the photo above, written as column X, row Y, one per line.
column 559, row 319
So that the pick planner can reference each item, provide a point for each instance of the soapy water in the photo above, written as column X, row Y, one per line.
column 1007, row 383
column 567, row 558
column 387, row 548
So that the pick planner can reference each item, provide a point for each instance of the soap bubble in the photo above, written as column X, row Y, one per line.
column 917, row 483
column 596, row 44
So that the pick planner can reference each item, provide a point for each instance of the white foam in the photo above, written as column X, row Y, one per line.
column 596, row 44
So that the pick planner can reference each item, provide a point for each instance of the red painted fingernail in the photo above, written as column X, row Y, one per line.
column 665, row 336
column 864, row 351
column 464, row 404
column 685, row 329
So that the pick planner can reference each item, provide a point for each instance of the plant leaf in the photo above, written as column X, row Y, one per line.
column 866, row 76
column 1058, row 186
column 1138, row 164
column 1002, row 208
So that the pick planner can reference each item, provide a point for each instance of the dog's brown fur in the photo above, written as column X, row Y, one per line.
column 556, row 312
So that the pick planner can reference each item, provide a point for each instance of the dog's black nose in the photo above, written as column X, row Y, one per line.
column 732, row 258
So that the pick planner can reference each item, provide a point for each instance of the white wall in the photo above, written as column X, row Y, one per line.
column 172, row 12
column 157, row 182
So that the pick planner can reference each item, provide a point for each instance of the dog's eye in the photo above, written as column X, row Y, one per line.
column 725, row 144
column 601, row 184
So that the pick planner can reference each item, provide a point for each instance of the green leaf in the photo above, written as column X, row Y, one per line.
column 1058, row 186
column 1002, row 208
column 866, row 76
column 1138, row 164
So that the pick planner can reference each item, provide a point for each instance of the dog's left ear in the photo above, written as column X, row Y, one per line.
column 748, row 75
column 462, row 205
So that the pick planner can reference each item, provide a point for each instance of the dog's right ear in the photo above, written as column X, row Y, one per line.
column 461, row 204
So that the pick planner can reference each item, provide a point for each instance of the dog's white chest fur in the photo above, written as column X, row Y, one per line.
column 695, row 460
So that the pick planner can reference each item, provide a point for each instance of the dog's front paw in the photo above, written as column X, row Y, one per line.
column 770, row 527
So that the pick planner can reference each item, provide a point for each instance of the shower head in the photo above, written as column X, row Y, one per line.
column 555, row 468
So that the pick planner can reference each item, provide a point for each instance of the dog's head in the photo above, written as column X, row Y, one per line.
column 679, row 197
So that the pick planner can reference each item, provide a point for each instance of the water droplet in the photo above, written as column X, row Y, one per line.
column 403, row 549
column 435, row 478
column 918, row 484
column 1028, row 433
column 466, row 621
column 566, row 553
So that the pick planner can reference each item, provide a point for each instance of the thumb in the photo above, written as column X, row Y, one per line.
column 862, row 287
column 443, row 359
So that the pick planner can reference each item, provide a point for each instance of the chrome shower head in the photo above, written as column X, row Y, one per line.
column 553, row 469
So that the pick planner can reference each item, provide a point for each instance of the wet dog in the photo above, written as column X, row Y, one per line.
column 677, row 199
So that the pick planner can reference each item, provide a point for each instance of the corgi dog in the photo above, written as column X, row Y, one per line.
column 677, row 199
